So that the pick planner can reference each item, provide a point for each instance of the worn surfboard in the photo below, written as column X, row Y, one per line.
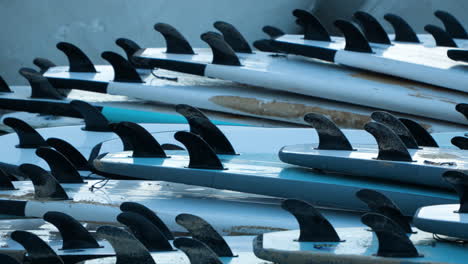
column 252, row 175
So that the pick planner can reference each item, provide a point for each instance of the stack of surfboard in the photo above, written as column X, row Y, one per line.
column 183, row 191
column 147, row 239
column 345, row 78
column 212, row 163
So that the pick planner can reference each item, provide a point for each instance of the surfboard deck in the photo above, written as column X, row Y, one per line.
column 359, row 246
column 234, row 209
column 443, row 220
column 305, row 76
column 425, row 40
column 274, row 179
column 426, row 169
column 429, row 65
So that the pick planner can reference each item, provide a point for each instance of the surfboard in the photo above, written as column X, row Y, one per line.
column 182, row 250
column 42, row 98
column 255, row 174
column 453, row 35
column 303, row 76
column 75, row 243
column 390, row 239
column 89, row 203
column 393, row 160
column 429, row 65
column 357, row 245
column 446, row 219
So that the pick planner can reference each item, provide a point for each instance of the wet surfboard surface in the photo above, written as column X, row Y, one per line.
column 101, row 205
column 274, row 179
column 442, row 219
column 426, row 167
column 429, row 65
column 360, row 246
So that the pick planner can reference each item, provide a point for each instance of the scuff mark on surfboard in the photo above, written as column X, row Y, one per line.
column 289, row 110
column 420, row 95
column 439, row 156
column 250, row 230
column 415, row 86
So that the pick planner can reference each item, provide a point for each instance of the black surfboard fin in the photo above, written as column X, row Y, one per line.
column 4, row 88
column 123, row 69
column 175, row 41
column 38, row 250
column 202, row 156
column 355, row 40
column 144, row 145
column 94, row 154
column 379, row 203
column 202, row 231
column 458, row 55
column 5, row 259
column 46, row 187
column 330, row 136
column 463, row 109
column 28, row 136
column 77, row 59
column 202, row 126
column 390, row 145
column 196, row 251
column 147, row 233
column 265, row 46
column 313, row 29
column 273, row 32
column 421, row 135
column 393, row 241
column 74, row 235
column 148, row 214
column 43, row 64
column 441, row 37
column 223, row 54
column 70, row 152
column 451, row 24
column 40, row 86
column 128, row 249
column 5, row 182
column 233, row 37
column 94, row 120
column 403, row 31
column 169, row 146
column 314, row 227
column 60, row 167
column 397, row 127
column 127, row 145
column 373, row 30
column 459, row 182
column 129, row 46
column 460, row 142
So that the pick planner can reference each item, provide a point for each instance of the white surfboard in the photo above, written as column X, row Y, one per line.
column 426, row 167
column 252, row 175
column 429, row 65
column 305, row 76
column 358, row 245
column 447, row 219
column 101, row 205
column 454, row 34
